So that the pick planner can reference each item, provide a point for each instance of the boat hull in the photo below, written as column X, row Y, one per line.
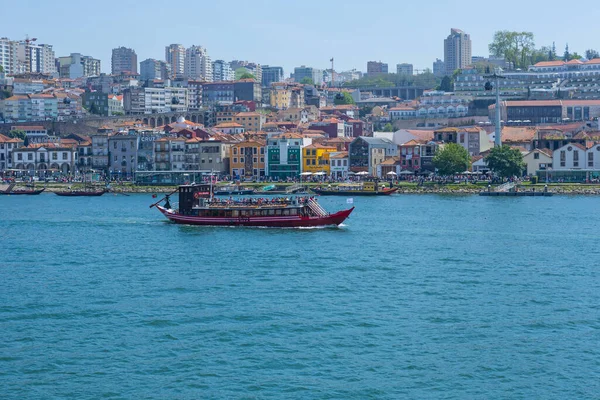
column 347, row 193
column 275, row 221
column 76, row 193
column 23, row 192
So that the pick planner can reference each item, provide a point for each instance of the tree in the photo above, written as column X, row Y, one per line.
column 388, row 128
column 515, row 47
column 451, row 159
column 16, row 134
column 505, row 161
column 247, row 75
column 590, row 54
column 1, row 69
column 343, row 98
column 567, row 55
column 93, row 109
column 307, row 81
column 446, row 85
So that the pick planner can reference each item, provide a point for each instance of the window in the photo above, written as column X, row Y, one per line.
column 55, row 156
column 19, row 156
column 536, row 156
column 64, row 156
column 590, row 159
column 576, row 158
column 563, row 157
column 234, row 159
column 262, row 159
column 29, row 156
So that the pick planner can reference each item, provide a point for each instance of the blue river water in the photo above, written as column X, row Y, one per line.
column 416, row 296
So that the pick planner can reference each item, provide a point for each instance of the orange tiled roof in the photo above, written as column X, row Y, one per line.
column 517, row 134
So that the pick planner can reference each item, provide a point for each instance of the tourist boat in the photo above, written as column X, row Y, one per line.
column 232, row 190
column 355, row 189
column 197, row 206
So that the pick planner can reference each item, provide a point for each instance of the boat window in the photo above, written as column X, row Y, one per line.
column 235, row 213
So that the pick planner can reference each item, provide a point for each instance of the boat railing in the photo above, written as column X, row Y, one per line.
column 316, row 208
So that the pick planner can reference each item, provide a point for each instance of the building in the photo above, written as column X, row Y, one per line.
column 375, row 68
column 271, row 75
column 404, row 69
column 16, row 108
column 537, row 160
column 547, row 111
column 284, row 155
column 439, row 68
column 316, row 158
column 251, row 121
column 457, row 51
column 308, row 73
column 217, row 93
column 230, row 128
column 207, row 155
column 134, row 100
column 339, row 164
column 154, row 69
column 331, row 127
column 175, row 57
column 9, row 56
column 43, row 107
column 77, row 65
column 416, row 155
column 198, row 65
column 36, row 58
column 474, row 140
column 284, row 95
column 169, row 154
column 194, row 95
column 247, row 159
column 365, row 153
column 7, row 145
column 27, row 86
column 124, row 60
column 40, row 159
column 165, row 99
column 247, row 89
column 123, row 154
column 221, row 71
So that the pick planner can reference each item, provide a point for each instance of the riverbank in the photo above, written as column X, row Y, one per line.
column 404, row 188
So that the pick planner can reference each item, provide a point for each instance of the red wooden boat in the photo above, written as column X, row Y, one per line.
column 23, row 191
column 197, row 206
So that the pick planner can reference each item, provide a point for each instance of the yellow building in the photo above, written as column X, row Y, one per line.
column 247, row 159
column 251, row 121
column 316, row 158
column 280, row 96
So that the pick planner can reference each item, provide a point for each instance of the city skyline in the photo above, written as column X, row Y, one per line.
column 331, row 32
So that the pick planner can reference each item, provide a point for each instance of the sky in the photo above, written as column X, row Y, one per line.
column 291, row 33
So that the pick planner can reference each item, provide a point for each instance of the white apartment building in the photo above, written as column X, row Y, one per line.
column 9, row 59
column 198, row 65
column 457, row 51
column 37, row 58
column 162, row 100
column 175, row 56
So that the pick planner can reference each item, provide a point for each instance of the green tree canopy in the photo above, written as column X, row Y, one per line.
column 505, row 161
column 451, row 159
column 16, row 134
column 343, row 98
column 590, row 54
column 516, row 47
column 388, row 128
column 247, row 75
column 307, row 81
column 1, row 69
column 447, row 84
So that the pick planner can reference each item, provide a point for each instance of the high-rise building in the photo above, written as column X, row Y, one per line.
column 197, row 64
column 439, row 69
column 154, row 69
column 314, row 74
column 9, row 59
column 375, row 68
column 36, row 58
column 175, row 55
column 124, row 60
column 404, row 69
column 271, row 75
column 457, row 51
column 76, row 65
column 222, row 71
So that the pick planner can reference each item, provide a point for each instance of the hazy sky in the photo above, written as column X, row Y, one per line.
column 290, row 33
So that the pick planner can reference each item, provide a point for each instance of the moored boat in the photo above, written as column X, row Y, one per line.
column 355, row 189
column 197, row 206
column 75, row 193
column 23, row 192
column 233, row 190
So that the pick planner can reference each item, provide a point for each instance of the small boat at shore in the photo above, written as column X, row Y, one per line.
column 23, row 192
column 75, row 193
column 197, row 206
column 10, row 190
column 355, row 189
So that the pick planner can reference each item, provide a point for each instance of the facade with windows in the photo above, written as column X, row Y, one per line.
column 365, row 153
column 284, row 155
column 247, row 160
column 123, row 154
column 43, row 159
